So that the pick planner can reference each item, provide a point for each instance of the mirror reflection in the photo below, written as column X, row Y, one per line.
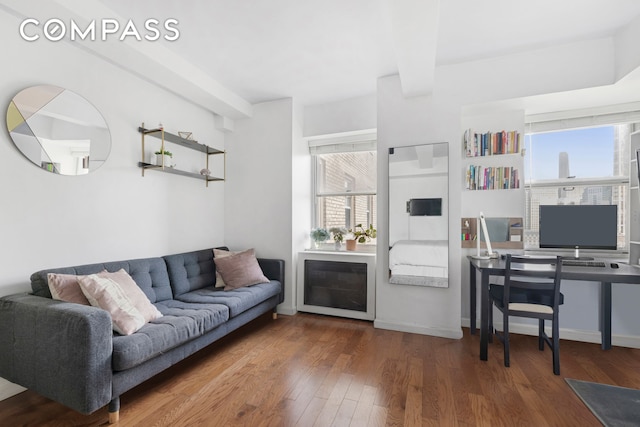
column 418, row 215
column 58, row 130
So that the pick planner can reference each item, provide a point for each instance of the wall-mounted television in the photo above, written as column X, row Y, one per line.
column 425, row 207
column 579, row 226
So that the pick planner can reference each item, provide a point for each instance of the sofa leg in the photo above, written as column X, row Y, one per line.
column 114, row 410
column 114, row 417
column 274, row 315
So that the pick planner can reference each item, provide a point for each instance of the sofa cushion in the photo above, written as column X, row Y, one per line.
column 180, row 322
column 238, row 300
column 191, row 270
column 150, row 274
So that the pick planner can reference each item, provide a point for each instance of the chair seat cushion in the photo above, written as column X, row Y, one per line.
column 535, row 308
column 523, row 296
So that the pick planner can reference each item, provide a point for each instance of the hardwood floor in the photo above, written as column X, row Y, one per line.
column 307, row 370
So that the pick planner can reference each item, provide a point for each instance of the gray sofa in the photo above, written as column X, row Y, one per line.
column 69, row 353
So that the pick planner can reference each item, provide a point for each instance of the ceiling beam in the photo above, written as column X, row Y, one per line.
column 414, row 24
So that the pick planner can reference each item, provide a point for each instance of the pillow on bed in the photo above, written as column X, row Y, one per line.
column 119, row 294
column 221, row 253
column 240, row 269
column 65, row 287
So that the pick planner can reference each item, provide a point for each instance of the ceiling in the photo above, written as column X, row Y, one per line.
column 319, row 51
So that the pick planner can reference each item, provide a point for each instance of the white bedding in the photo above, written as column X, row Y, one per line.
column 434, row 253
column 420, row 262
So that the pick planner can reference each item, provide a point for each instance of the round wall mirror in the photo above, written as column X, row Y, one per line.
column 58, row 130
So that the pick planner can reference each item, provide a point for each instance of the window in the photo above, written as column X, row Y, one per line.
column 344, row 185
column 582, row 166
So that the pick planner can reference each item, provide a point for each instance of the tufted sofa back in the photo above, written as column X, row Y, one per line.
column 149, row 273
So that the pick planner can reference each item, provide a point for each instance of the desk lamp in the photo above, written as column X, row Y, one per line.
column 481, row 223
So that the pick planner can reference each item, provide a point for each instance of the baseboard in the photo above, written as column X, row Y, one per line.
column 287, row 311
column 8, row 389
column 567, row 334
column 414, row 329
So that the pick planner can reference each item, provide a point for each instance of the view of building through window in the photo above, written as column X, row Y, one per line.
column 345, row 189
column 586, row 166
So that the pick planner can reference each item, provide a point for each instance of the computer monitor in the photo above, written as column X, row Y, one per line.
column 579, row 227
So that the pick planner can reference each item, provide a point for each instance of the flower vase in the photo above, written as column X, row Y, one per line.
column 337, row 245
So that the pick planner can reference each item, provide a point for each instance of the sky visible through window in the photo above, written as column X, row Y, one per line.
column 591, row 153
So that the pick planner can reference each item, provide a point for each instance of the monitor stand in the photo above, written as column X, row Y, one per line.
column 578, row 257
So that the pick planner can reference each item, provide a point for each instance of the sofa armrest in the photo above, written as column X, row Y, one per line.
column 274, row 270
column 57, row 349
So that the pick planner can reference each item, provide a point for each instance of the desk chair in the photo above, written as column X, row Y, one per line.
column 531, row 289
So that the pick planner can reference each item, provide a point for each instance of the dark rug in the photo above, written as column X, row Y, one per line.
column 613, row 406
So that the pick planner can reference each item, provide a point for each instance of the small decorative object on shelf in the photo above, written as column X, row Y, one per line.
column 319, row 235
column 491, row 144
column 492, row 178
column 186, row 135
column 338, row 236
column 205, row 172
column 163, row 158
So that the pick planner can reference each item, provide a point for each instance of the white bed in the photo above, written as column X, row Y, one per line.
column 420, row 262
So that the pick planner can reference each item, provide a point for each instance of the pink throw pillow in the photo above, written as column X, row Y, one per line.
column 221, row 253
column 240, row 269
column 65, row 287
column 118, row 294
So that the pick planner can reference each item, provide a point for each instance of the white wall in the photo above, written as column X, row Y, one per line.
column 407, row 180
column 259, row 204
column 342, row 116
column 113, row 213
column 402, row 122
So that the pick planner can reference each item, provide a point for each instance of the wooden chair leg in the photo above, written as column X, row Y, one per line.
column 505, row 337
column 541, row 334
column 491, row 330
column 556, row 347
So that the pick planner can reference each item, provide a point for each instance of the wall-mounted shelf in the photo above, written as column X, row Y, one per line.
column 164, row 137
column 491, row 144
column 492, row 178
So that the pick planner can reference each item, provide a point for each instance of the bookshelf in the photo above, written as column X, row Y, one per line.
column 491, row 143
column 482, row 174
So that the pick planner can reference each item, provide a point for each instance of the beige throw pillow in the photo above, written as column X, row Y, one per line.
column 221, row 253
column 118, row 294
column 240, row 269
column 65, row 287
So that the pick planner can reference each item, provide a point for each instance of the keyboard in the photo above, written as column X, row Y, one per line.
column 582, row 263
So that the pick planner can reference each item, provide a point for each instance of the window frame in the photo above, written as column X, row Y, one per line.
column 360, row 141
column 631, row 119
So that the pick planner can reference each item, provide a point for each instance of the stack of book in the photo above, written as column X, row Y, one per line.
column 491, row 178
column 489, row 144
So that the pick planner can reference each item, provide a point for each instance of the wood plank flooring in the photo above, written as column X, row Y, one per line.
column 312, row 370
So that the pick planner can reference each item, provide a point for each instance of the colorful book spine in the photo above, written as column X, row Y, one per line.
column 491, row 144
column 491, row 178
